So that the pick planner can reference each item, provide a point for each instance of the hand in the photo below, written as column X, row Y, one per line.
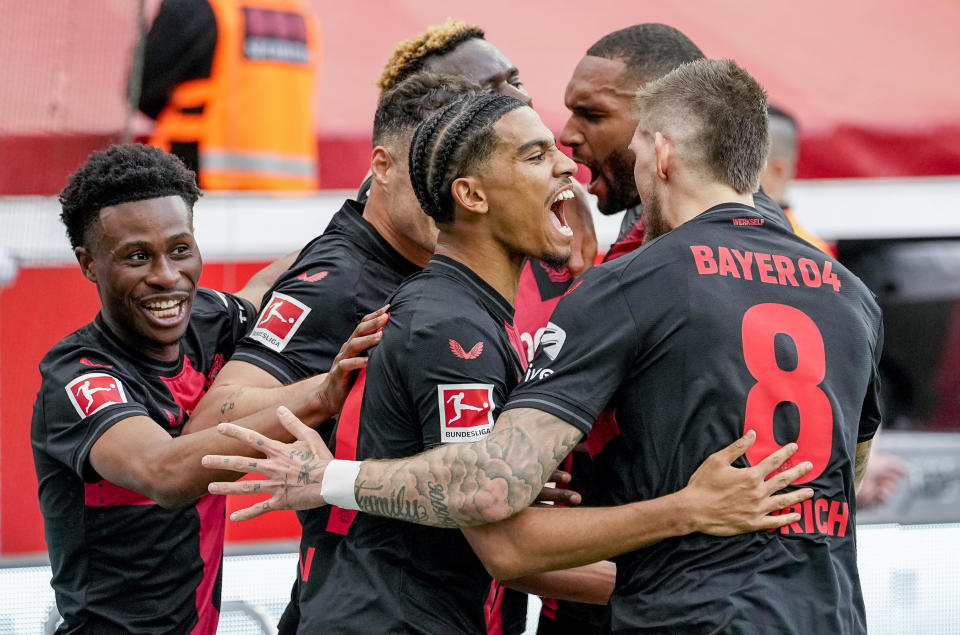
column 726, row 500
column 335, row 385
column 293, row 471
column 881, row 480
column 553, row 495
column 583, row 247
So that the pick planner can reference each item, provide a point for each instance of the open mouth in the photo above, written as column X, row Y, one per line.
column 556, row 211
column 165, row 309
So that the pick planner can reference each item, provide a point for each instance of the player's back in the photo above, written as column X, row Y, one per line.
column 727, row 323
column 741, row 326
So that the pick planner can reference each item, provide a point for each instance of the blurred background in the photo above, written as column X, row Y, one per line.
column 871, row 85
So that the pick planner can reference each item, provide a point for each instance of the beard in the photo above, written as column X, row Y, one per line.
column 555, row 261
column 653, row 224
column 621, row 185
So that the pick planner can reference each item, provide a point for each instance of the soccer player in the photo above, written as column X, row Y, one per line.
column 135, row 545
column 348, row 271
column 493, row 192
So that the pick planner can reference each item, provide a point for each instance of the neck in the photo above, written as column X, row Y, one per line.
column 684, row 204
column 377, row 213
column 142, row 346
column 485, row 257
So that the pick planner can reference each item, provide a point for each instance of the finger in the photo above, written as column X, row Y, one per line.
column 770, row 464
column 253, row 511
column 559, row 477
column 243, row 488
column 775, row 522
column 352, row 364
column 379, row 312
column 783, row 501
column 786, row 477
column 736, row 449
column 251, row 437
column 558, row 495
column 243, row 464
column 356, row 345
column 307, row 435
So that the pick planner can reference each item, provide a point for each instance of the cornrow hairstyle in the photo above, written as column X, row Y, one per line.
column 454, row 142
column 410, row 55
column 405, row 105
column 122, row 174
column 649, row 50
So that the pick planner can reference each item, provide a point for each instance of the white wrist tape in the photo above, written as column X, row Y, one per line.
column 338, row 482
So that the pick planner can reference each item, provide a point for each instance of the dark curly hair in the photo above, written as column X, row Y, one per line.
column 453, row 142
column 404, row 106
column 121, row 174
column 649, row 50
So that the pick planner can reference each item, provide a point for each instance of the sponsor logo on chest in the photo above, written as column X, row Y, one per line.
column 279, row 321
column 92, row 392
column 466, row 411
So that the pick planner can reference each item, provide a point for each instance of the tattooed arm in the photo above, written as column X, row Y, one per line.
column 467, row 484
column 860, row 467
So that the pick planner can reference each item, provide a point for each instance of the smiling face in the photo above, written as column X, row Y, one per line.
column 527, row 183
column 483, row 63
column 145, row 263
column 602, row 119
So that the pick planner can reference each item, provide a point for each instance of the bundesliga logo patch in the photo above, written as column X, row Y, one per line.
column 279, row 321
column 466, row 411
column 94, row 391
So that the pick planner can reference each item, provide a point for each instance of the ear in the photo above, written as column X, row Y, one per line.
column 468, row 193
column 87, row 266
column 380, row 163
column 665, row 151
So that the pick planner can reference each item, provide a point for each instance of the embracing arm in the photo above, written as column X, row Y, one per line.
column 138, row 454
column 719, row 499
column 591, row 583
column 467, row 484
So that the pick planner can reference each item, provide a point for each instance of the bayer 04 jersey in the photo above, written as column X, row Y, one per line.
column 120, row 562
column 726, row 324
column 448, row 359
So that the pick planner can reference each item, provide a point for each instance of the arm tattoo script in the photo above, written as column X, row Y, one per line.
column 467, row 484
column 229, row 404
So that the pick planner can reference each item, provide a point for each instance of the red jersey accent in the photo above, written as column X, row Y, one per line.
column 314, row 277
column 106, row 494
column 473, row 353
column 346, row 448
column 212, row 512
column 186, row 387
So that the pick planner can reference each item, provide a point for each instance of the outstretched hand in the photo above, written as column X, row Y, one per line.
column 335, row 386
column 293, row 471
column 728, row 500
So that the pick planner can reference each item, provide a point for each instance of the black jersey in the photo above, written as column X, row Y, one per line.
column 448, row 359
column 121, row 563
column 724, row 324
column 340, row 276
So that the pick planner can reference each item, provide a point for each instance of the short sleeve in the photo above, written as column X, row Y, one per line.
column 870, row 413
column 584, row 353
column 457, row 380
column 83, row 393
column 303, row 323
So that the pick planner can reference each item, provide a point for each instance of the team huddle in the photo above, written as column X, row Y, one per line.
column 412, row 379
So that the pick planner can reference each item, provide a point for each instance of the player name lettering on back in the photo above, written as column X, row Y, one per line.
column 767, row 268
column 817, row 516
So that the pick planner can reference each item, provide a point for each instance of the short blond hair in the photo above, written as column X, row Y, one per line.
column 410, row 55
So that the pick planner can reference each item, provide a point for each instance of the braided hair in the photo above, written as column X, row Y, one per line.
column 122, row 174
column 453, row 142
